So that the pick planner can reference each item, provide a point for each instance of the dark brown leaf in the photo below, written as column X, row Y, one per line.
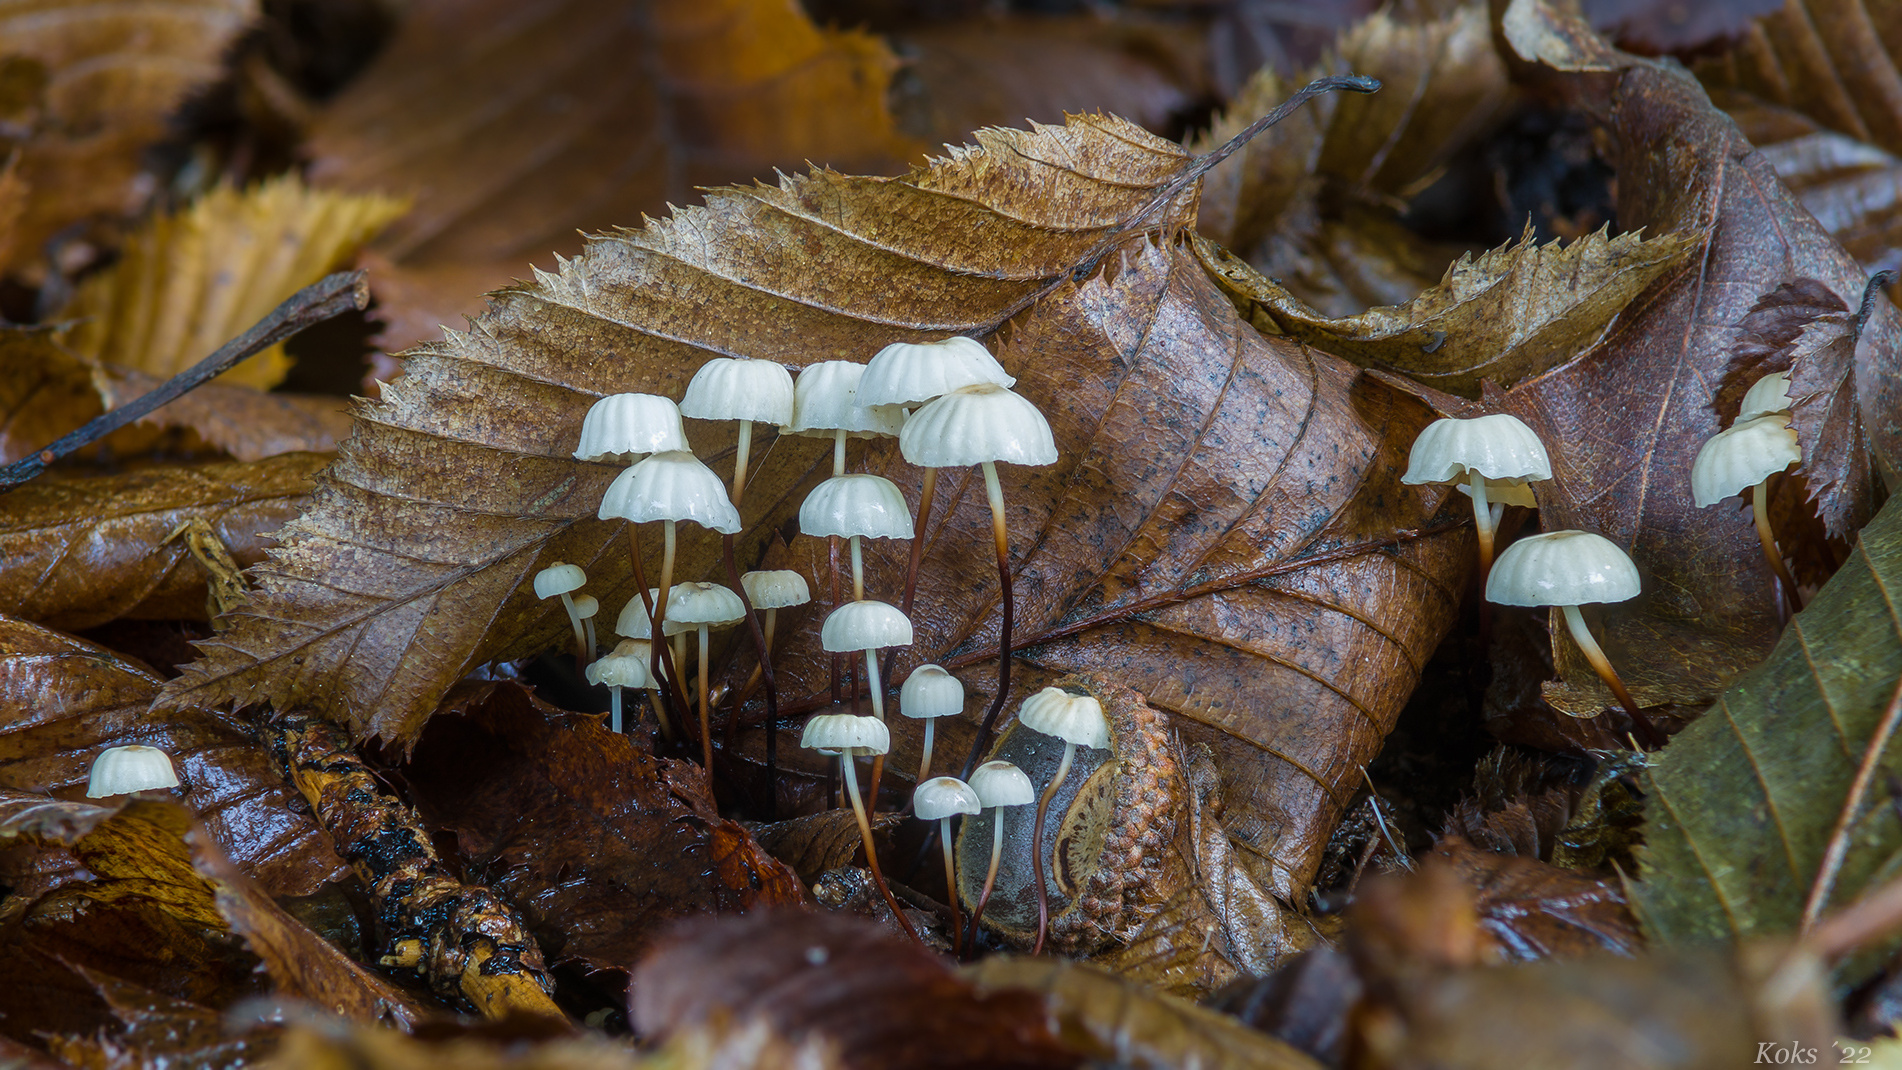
column 1533, row 910
column 1832, row 60
column 246, row 423
column 815, row 843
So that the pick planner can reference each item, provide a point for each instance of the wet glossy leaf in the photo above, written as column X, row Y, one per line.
column 1532, row 910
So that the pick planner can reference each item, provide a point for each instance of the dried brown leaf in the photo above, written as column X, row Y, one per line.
column 1832, row 60
column 62, row 700
column 76, row 553
column 827, row 840
column 1533, row 910
column 248, row 424
column 44, row 393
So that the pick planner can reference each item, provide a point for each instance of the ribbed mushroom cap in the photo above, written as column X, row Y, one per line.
column 1748, row 453
column 775, row 589
column 692, row 604
column 622, row 427
column 825, row 399
column 864, row 625
column 1497, row 447
column 931, row 692
column 736, row 388
column 558, row 579
column 586, row 606
column 834, row 733
column 1562, row 568
column 671, row 486
column 1002, row 784
column 864, row 505
column 974, row 424
column 124, row 770
column 1770, row 394
column 905, row 373
column 626, row 667
column 633, row 621
column 942, row 797
column 1074, row 719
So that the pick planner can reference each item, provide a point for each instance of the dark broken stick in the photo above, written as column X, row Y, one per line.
column 462, row 938
column 329, row 296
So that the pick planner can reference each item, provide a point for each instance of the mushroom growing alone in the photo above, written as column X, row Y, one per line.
column 982, row 425
column 930, row 693
column 626, row 666
column 855, row 507
column 940, row 799
column 1078, row 721
column 1490, row 454
column 1745, row 457
column 1569, row 569
column 866, row 626
column 852, row 737
column 564, row 579
column 700, row 607
column 998, row 784
column 124, row 770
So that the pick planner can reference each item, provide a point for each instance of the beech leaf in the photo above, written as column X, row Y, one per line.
column 1826, row 59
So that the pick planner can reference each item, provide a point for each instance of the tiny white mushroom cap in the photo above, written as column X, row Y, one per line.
column 1497, row 447
column 691, row 605
column 931, row 692
column 558, row 579
column 1770, row 394
column 864, row 625
column 825, row 400
column 942, row 797
column 671, row 486
column 775, row 588
column 1002, row 784
column 905, row 373
column 124, row 770
column 1562, row 568
column 586, row 606
column 737, row 388
column 837, row 732
column 865, row 505
column 1748, row 453
column 625, row 667
column 974, row 424
column 633, row 621
column 622, row 427
column 1074, row 719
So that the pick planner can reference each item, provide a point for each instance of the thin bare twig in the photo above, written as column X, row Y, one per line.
column 329, row 296
column 1838, row 848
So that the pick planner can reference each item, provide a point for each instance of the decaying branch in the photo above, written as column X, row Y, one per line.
column 462, row 937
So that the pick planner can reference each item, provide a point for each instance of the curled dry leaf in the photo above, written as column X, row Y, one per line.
column 875, row 999
column 62, row 700
column 77, row 553
column 827, row 840
column 1831, row 60
column 105, row 77
column 246, row 423
column 632, row 107
column 598, row 841
column 189, row 282
column 1533, row 910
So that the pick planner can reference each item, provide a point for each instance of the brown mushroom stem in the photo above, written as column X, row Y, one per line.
column 950, row 882
column 871, row 852
column 995, row 492
column 706, row 731
column 583, row 649
column 1483, row 521
column 990, row 878
column 658, row 654
column 1760, row 505
column 926, row 493
column 1036, row 845
column 1575, row 621
column 660, row 714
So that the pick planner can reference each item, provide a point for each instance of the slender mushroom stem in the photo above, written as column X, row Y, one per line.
column 858, row 571
column 838, row 453
column 995, row 492
column 763, row 642
column 871, row 852
column 877, row 686
column 832, row 572
column 1760, row 505
column 924, row 763
column 1036, row 845
column 657, row 653
column 990, row 878
column 926, row 493
column 660, row 714
column 592, row 643
column 582, row 647
column 1482, row 520
column 951, row 882
column 1575, row 621
column 614, row 709
column 741, row 450
column 706, row 733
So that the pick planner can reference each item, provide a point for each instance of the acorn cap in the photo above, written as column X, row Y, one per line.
column 691, row 605
column 1497, row 447
column 864, row 505
column 931, row 692
column 124, row 770
column 905, row 373
column 621, row 428
column 1074, row 719
column 1748, row 453
column 834, row 733
column 825, row 400
column 974, row 424
column 633, row 621
column 558, row 579
column 671, row 486
column 736, row 388
column 1562, row 568
column 625, row 667
column 775, row 589
column 942, row 797
column 586, row 606
column 1001, row 784
column 864, row 625
column 1768, row 395
column 1504, row 493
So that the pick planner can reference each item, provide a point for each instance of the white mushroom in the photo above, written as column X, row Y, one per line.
column 1766, row 396
column 1483, row 453
column 700, row 607
column 622, row 428
column 825, row 405
column 855, row 507
column 928, row 694
column 626, row 666
column 867, row 626
column 564, row 579
column 1745, row 457
column 851, row 737
column 1077, row 720
column 772, row 591
column 998, row 784
column 124, row 770
column 735, row 388
column 940, row 799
